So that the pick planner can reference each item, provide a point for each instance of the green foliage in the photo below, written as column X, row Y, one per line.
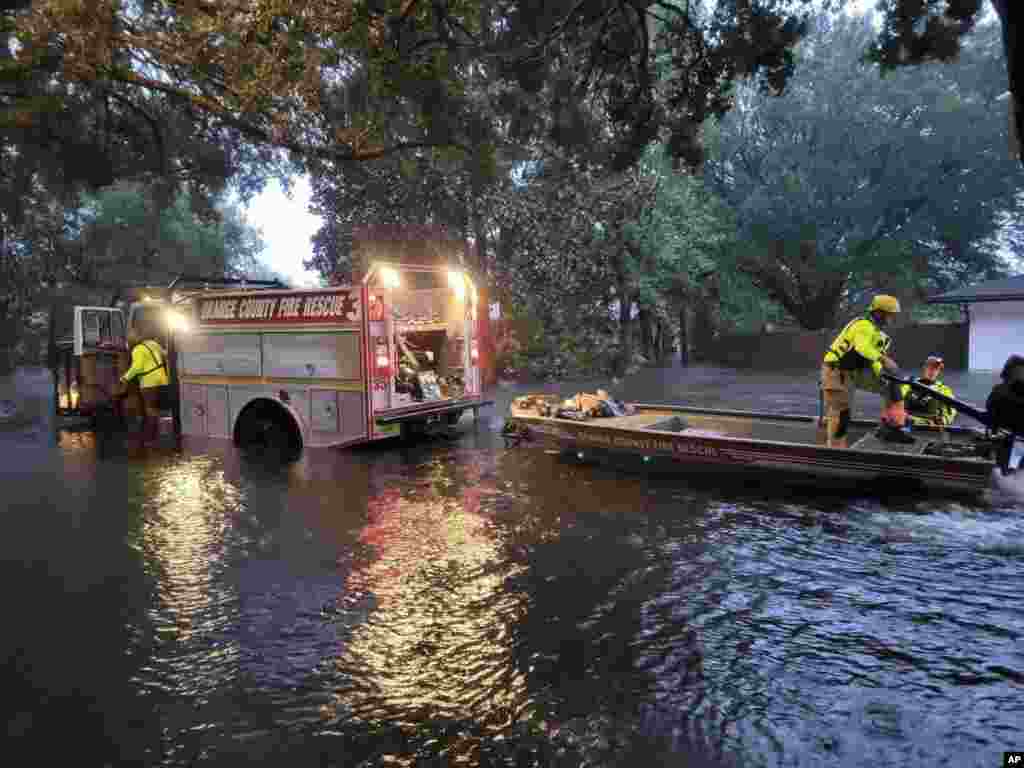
column 601, row 80
column 849, row 183
column 128, row 237
column 118, row 236
column 574, row 243
column 743, row 307
column 541, row 348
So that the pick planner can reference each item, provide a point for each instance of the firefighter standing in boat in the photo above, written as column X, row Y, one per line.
column 855, row 360
column 922, row 409
column 149, row 370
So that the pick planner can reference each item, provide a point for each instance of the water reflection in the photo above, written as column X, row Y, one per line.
column 436, row 646
column 183, row 533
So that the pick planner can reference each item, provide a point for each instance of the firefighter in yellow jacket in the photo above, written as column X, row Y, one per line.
column 922, row 409
column 855, row 360
column 149, row 369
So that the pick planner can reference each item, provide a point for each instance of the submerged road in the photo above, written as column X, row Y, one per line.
column 457, row 603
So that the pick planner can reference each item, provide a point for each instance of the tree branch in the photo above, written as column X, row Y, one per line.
column 264, row 137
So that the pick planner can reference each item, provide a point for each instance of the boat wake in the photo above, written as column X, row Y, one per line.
column 954, row 526
column 1009, row 487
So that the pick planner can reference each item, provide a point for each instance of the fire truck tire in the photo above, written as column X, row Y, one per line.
column 268, row 430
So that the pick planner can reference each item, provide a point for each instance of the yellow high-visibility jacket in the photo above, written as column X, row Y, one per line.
column 860, row 344
column 925, row 410
column 148, row 364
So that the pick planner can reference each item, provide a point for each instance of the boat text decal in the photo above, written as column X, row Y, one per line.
column 648, row 444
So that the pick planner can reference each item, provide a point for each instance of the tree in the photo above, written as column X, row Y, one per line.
column 848, row 178
column 58, row 256
column 115, row 248
column 554, row 252
column 19, row 278
column 244, row 246
column 423, row 188
column 270, row 72
column 681, row 237
column 322, row 79
column 61, row 139
column 914, row 32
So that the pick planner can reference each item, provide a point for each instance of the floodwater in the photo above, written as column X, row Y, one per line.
column 452, row 602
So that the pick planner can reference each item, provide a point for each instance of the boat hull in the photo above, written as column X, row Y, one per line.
column 739, row 444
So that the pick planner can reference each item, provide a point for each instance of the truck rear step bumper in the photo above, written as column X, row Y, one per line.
column 422, row 410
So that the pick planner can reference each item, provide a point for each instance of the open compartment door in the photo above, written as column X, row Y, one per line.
column 422, row 347
column 100, row 353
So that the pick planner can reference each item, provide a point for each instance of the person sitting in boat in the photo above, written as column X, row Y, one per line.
column 855, row 360
column 1005, row 403
column 923, row 409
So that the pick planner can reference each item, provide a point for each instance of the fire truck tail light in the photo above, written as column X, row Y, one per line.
column 382, row 359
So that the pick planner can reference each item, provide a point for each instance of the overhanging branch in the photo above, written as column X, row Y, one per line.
column 264, row 136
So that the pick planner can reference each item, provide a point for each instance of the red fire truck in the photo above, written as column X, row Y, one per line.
column 335, row 366
column 395, row 354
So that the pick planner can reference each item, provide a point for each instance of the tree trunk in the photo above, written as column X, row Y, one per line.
column 684, row 339
column 480, row 235
column 811, row 297
column 646, row 334
column 6, row 358
column 705, row 321
column 51, row 333
column 625, row 329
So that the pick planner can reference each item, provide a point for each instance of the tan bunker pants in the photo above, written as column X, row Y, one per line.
column 837, row 390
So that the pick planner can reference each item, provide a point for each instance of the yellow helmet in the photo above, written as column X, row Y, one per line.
column 883, row 303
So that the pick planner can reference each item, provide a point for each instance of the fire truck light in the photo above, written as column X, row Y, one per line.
column 177, row 322
column 458, row 283
column 389, row 277
column 70, row 401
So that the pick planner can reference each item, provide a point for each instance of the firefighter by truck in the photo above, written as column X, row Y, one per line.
column 148, row 378
column 92, row 360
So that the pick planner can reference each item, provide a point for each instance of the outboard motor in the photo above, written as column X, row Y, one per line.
column 1004, row 419
column 1006, row 413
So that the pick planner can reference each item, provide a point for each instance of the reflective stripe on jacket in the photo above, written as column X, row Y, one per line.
column 925, row 409
column 148, row 364
column 860, row 344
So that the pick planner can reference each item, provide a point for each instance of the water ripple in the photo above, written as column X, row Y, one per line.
column 456, row 603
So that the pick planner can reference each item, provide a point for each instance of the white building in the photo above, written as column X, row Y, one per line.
column 995, row 311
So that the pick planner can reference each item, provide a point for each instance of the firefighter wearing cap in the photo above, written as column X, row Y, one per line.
column 922, row 409
column 855, row 360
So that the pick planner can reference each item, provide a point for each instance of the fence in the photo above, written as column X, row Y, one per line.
column 804, row 349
